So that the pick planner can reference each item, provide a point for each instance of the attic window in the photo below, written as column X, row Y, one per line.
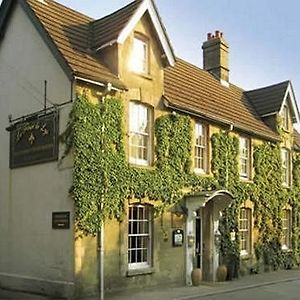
column 285, row 117
column 139, row 56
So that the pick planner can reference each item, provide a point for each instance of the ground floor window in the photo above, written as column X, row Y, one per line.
column 140, row 236
column 245, row 231
column 286, row 229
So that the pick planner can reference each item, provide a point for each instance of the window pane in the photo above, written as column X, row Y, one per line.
column 139, row 236
column 244, row 157
column 245, row 230
column 200, row 147
column 139, row 133
column 285, row 157
column 139, row 56
column 286, row 229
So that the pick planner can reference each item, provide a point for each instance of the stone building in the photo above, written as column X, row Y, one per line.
column 195, row 143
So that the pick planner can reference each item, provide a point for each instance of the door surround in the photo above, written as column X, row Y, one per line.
column 207, row 205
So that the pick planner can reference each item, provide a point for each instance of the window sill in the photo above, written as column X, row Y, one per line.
column 246, row 179
column 286, row 186
column 201, row 172
column 286, row 250
column 137, row 272
column 137, row 166
column 245, row 256
column 143, row 75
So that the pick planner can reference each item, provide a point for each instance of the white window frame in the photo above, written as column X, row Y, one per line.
column 286, row 229
column 140, row 229
column 245, row 157
column 245, row 229
column 139, row 62
column 286, row 167
column 201, row 146
column 140, row 127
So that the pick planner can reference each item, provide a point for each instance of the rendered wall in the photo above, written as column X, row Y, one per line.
column 33, row 256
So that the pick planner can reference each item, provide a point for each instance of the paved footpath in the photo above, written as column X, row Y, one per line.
column 181, row 293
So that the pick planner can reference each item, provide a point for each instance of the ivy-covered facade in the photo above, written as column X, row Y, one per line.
column 163, row 169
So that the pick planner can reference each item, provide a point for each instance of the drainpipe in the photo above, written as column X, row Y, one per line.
column 101, row 259
column 101, row 235
column 101, row 231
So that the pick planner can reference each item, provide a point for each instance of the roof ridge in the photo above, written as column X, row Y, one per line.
column 116, row 11
column 269, row 86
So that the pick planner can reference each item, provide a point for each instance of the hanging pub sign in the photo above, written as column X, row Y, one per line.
column 34, row 140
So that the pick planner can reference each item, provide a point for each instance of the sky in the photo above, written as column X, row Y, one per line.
column 263, row 35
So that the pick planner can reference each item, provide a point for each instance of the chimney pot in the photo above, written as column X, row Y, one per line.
column 215, row 56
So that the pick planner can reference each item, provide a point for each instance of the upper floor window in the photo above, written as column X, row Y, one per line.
column 286, row 229
column 140, row 124
column 286, row 164
column 245, row 231
column 285, row 117
column 139, row 58
column 139, row 236
column 245, row 157
column 201, row 148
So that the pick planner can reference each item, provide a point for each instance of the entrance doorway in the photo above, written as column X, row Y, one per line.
column 202, row 225
column 198, row 241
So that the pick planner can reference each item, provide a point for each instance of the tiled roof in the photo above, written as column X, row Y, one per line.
column 108, row 28
column 69, row 30
column 193, row 89
column 268, row 100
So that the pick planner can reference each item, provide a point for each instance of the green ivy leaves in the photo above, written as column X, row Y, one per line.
column 103, row 180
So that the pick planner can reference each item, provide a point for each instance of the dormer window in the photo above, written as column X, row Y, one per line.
column 286, row 167
column 285, row 117
column 139, row 56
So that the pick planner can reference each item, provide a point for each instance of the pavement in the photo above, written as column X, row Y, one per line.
column 180, row 293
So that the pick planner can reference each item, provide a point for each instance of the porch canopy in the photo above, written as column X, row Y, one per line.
column 194, row 201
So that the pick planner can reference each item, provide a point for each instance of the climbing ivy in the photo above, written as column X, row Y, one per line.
column 103, row 179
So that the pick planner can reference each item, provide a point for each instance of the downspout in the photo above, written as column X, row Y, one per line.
column 101, row 258
column 101, row 231
column 101, row 234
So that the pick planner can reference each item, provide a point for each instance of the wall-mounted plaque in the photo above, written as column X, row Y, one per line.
column 61, row 220
column 34, row 140
column 177, row 238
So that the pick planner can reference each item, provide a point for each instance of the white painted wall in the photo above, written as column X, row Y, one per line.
column 32, row 255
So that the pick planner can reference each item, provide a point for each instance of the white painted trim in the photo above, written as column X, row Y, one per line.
column 70, row 283
column 148, row 5
column 269, row 114
column 95, row 82
column 89, row 81
column 290, row 92
column 110, row 43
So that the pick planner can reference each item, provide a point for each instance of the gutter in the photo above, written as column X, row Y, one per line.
column 218, row 120
column 98, row 83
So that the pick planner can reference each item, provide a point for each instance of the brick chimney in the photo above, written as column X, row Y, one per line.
column 215, row 56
